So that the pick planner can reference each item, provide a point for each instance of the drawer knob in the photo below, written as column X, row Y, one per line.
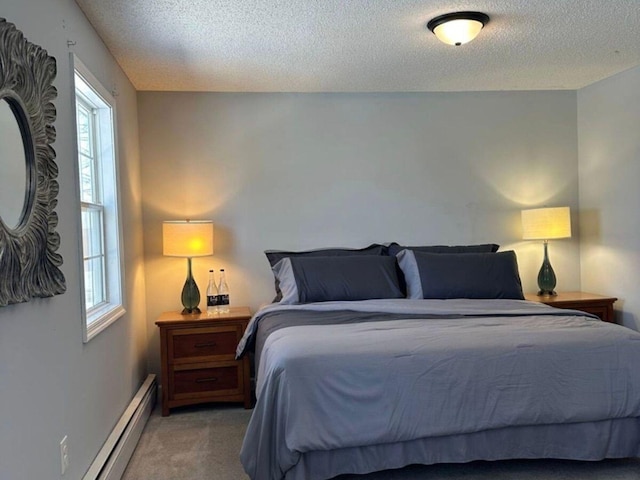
column 203, row 345
column 206, row 380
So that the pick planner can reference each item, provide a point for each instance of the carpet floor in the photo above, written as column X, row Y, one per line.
column 203, row 443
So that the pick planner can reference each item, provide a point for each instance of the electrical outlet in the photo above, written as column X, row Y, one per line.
column 64, row 455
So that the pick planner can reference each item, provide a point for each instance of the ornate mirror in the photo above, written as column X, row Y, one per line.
column 28, row 189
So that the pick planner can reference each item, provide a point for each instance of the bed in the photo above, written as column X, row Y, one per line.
column 362, row 385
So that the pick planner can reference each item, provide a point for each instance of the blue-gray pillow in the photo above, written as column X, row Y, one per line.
column 323, row 279
column 394, row 248
column 461, row 275
column 274, row 256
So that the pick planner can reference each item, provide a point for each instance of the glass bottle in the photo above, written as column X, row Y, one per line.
column 223, row 293
column 212, row 295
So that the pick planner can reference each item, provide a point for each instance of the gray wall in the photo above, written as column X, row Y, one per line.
column 298, row 171
column 51, row 384
column 609, row 150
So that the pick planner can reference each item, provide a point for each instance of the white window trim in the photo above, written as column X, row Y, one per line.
column 102, row 316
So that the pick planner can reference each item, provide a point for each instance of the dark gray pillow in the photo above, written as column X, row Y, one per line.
column 323, row 279
column 274, row 256
column 461, row 275
column 394, row 248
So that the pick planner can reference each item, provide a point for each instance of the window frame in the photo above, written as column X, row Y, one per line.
column 100, row 316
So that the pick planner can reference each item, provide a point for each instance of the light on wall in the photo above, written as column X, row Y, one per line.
column 546, row 224
column 188, row 239
column 458, row 28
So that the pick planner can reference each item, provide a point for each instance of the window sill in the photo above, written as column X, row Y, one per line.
column 100, row 319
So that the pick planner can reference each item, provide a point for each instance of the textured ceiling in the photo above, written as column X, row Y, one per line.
column 364, row 45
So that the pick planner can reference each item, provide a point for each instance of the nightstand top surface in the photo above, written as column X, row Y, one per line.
column 176, row 318
column 569, row 297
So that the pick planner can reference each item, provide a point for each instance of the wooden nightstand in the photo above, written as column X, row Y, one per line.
column 198, row 358
column 586, row 302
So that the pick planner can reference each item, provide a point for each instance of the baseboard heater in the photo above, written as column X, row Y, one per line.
column 113, row 457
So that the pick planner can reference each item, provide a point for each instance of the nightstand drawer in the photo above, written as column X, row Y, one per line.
column 600, row 311
column 201, row 344
column 207, row 380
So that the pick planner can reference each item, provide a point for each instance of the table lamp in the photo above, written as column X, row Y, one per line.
column 188, row 239
column 546, row 224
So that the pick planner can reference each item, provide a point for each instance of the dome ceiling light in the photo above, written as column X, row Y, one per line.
column 458, row 28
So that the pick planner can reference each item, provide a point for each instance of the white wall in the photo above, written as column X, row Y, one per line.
column 609, row 172
column 51, row 384
column 298, row 171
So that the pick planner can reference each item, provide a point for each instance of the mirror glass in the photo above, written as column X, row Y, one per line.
column 13, row 167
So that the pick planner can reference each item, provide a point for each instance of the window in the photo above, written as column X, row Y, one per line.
column 98, row 190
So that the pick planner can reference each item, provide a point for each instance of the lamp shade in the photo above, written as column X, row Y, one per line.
column 546, row 223
column 187, row 238
column 458, row 28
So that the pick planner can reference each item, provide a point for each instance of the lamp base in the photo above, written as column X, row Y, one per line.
column 546, row 277
column 190, row 293
column 187, row 311
column 543, row 293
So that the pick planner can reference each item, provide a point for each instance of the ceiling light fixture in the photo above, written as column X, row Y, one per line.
column 458, row 28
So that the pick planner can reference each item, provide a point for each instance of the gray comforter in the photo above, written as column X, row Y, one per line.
column 451, row 367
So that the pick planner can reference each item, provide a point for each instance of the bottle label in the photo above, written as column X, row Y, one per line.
column 223, row 299
column 212, row 300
